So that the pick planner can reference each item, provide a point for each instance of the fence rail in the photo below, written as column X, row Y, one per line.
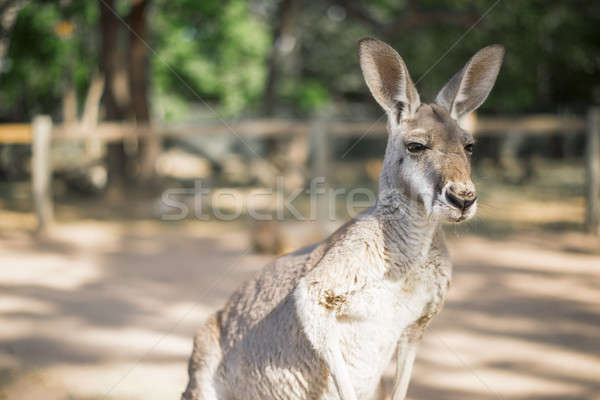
column 541, row 124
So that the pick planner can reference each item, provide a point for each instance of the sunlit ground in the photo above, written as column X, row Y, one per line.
column 106, row 308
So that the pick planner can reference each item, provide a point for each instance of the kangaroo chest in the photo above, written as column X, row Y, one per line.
column 373, row 319
column 399, row 299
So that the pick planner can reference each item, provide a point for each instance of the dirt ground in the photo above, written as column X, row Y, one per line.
column 107, row 310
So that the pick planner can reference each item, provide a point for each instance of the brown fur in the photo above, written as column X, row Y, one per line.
column 324, row 322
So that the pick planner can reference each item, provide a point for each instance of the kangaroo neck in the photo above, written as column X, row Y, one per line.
column 406, row 229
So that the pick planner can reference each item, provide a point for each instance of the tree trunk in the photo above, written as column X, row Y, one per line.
column 109, row 27
column 138, row 62
column 149, row 147
column 69, row 99
column 283, row 42
column 9, row 10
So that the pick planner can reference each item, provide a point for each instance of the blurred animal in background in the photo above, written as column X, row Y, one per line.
column 325, row 321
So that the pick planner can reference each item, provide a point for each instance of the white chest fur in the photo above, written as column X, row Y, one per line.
column 373, row 320
column 369, row 313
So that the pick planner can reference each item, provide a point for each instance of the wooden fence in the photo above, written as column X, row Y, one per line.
column 41, row 133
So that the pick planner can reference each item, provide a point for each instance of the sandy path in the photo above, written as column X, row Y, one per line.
column 107, row 310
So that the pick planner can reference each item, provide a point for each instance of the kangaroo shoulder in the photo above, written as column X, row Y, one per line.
column 257, row 297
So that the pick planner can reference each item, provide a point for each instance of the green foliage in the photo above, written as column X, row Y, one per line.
column 241, row 57
column 211, row 51
column 216, row 52
column 309, row 95
column 38, row 60
column 552, row 60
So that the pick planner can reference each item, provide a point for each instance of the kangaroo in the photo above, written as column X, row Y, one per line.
column 325, row 321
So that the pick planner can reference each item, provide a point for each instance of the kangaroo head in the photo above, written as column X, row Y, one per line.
column 428, row 155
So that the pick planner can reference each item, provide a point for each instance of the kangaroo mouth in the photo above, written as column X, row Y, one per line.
column 460, row 219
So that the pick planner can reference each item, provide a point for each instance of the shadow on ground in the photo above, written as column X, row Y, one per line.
column 100, row 307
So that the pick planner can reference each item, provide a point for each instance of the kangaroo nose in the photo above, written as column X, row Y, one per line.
column 461, row 199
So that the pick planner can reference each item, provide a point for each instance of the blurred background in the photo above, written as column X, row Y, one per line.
column 140, row 140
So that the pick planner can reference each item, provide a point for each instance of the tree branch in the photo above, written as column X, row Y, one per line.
column 413, row 18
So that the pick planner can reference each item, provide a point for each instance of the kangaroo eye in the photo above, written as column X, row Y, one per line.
column 415, row 147
column 469, row 148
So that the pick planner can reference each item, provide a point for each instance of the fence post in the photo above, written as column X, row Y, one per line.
column 320, row 167
column 42, row 171
column 593, row 171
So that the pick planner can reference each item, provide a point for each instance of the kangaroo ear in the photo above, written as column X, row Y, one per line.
column 387, row 78
column 469, row 88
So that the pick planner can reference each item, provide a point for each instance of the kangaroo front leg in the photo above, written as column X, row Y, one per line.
column 405, row 358
column 338, row 369
column 322, row 330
